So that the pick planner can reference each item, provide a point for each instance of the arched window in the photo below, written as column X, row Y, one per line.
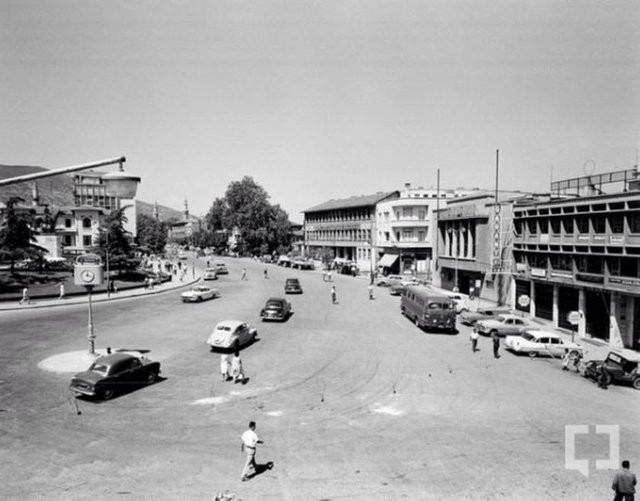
column 86, row 222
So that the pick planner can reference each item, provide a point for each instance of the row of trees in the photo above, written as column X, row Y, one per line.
column 244, row 212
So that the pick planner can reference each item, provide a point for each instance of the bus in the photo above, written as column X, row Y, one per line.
column 428, row 309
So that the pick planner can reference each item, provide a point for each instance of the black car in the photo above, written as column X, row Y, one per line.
column 292, row 286
column 276, row 308
column 111, row 373
column 618, row 367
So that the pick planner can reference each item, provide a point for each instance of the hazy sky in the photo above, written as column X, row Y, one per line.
column 321, row 99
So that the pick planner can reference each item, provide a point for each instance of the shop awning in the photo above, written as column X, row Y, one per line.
column 387, row 260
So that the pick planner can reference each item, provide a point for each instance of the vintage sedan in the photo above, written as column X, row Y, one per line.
column 199, row 293
column 389, row 280
column 398, row 288
column 111, row 373
column 503, row 325
column 537, row 342
column 619, row 367
column 210, row 274
column 231, row 335
column 221, row 268
column 292, row 286
column 471, row 317
column 276, row 308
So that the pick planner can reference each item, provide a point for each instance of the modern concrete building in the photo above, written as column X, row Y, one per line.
column 344, row 229
column 404, row 237
column 474, row 243
column 580, row 251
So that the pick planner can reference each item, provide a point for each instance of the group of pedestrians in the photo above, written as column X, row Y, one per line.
column 231, row 368
column 495, row 341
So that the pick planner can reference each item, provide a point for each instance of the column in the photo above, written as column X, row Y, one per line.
column 532, row 295
column 556, row 309
column 582, row 305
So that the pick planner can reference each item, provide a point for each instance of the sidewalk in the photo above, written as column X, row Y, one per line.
column 101, row 296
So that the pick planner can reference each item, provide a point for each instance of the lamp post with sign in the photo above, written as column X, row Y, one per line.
column 88, row 273
column 574, row 319
column 524, row 301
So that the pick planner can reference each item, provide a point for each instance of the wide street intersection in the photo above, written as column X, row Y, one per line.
column 352, row 401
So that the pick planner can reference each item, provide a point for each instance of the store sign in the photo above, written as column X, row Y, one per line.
column 538, row 272
column 624, row 281
column 562, row 274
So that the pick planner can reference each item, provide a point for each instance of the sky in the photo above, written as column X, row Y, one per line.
column 321, row 99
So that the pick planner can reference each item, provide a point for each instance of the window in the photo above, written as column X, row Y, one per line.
column 86, row 222
column 67, row 223
column 567, row 225
column 599, row 224
column 555, row 226
column 616, row 223
column 407, row 212
column 421, row 236
column 86, row 241
column 422, row 214
column 582, row 222
column 532, row 226
column 386, row 236
column 634, row 222
column 407, row 234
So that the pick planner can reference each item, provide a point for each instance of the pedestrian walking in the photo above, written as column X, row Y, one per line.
column 566, row 360
column 496, row 345
column 25, row 296
column 334, row 295
column 370, row 291
column 236, row 368
column 244, row 274
column 61, row 291
column 329, row 276
column 577, row 359
column 266, row 273
column 324, row 275
column 224, row 367
column 250, row 441
column 474, row 340
column 624, row 483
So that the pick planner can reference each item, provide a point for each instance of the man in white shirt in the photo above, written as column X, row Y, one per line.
column 249, row 442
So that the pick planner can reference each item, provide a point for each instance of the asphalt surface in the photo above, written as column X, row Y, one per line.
column 352, row 401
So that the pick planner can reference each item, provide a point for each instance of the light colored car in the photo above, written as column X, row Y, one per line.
column 221, row 268
column 389, row 280
column 199, row 293
column 231, row 335
column 471, row 317
column 210, row 274
column 536, row 342
column 397, row 288
column 504, row 324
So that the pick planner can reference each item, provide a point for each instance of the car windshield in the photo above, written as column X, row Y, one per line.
column 100, row 368
column 292, row 281
column 528, row 336
column 274, row 304
column 223, row 328
column 500, row 318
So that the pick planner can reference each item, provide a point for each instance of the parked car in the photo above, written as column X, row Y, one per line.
column 461, row 301
column 276, row 308
column 620, row 367
column 231, row 335
column 302, row 264
column 221, row 268
column 292, row 286
column 114, row 372
column 210, row 274
column 199, row 293
column 471, row 317
column 537, row 342
column 284, row 261
column 398, row 288
column 388, row 281
column 503, row 325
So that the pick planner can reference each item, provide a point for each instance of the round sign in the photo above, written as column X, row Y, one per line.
column 524, row 300
column 574, row 317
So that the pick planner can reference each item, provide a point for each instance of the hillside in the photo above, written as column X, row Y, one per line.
column 55, row 190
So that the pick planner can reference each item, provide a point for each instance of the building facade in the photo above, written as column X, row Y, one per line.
column 404, row 237
column 582, row 253
column 344, row 229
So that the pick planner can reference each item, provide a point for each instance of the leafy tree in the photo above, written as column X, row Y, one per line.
column 152, row 234
column 215, row 216
column 17, row 236
column 115, row 239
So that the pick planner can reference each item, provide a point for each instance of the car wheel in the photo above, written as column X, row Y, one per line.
column 199, row 299
column 151, row 377
column 533, row 354
column 107, row 393
column 491, row 333
column 636, row 383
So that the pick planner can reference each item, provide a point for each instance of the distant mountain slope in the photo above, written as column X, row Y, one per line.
column 54, row 190
column 164, row 213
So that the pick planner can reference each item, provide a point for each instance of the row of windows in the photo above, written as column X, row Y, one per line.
column 613, row 265
column 584, row 224
column 334, row 235
column 362, row 214
column 69, row 240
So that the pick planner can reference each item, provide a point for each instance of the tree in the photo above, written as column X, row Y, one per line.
column 152, row 234
column 115, row 240
column 17, row 236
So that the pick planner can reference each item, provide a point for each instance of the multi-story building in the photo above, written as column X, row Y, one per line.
column 344, row 228
column 582, row 253
column 404, row 239
column 182, row 231
column 474, row 244
column 78, row 228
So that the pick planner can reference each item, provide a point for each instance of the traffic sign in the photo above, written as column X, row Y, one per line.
column 574, row 317
column 524, row 300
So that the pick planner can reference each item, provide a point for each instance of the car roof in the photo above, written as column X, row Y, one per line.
column 510, row 315
column 278, row 299
column 292, row 280
column 232, row 324
column 209, row 269
column 630, row 355
column 541, row 333
column 114, row 358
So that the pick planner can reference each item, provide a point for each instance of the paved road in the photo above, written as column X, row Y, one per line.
column 352, row 400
